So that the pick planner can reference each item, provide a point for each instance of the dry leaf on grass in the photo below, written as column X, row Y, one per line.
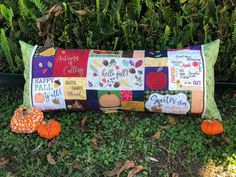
column 225, row 139
column 175, row 175
column 3, row 161
column 74, row 165
column 94, row 141
column 64, row 152
column 171, row 120
column 36, row 150
column 54, row 143
column 166, row 126
column 51, row 159
column 84, row 122
column 155, row 136
column 153, row 159
column 81, row 12
column 114, row 171
column 135, row 170
column 128, row 164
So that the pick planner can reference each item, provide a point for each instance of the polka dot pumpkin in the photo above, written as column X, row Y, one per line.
column 26, row 120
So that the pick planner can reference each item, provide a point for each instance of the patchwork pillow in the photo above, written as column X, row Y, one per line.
column 178, row 81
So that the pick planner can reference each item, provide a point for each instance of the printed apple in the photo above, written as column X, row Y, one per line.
column 156, row 80
column 195, row 64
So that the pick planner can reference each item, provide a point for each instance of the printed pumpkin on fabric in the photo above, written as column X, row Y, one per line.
column 178, row 81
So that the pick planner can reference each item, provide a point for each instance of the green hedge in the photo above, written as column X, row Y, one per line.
column 122, row 24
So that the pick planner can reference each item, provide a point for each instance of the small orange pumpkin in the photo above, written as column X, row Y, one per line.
column 26, row 120
column 109, row 100
column 212, row 127
column 39, row 98
column 49, row 129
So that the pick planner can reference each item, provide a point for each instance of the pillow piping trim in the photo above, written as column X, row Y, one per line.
column 205, row 86
column 30, row 74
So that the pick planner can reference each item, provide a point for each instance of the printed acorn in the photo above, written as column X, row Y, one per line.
column 56, row 84
column 105, row 62
column 117, row 84
column 132, row 70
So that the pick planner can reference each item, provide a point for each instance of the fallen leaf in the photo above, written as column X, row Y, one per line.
column 175, row 175
column 156, row 135
column 114, row 171
column 51, row 159
column 153, row 159
column 171, row 120
column 225, row 139
column 64, row 152
column 3, row 161
column 54, row 143
column 83, row 122
column 98, row 137
column 128, row 164
column 94, row 141
column 161, row 165
column 166, row 126
column 135, row 170
column 36, row 150
column 80, row 12
column 74, row 165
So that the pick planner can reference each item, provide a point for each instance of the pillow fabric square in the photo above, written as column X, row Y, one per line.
column 178, row 81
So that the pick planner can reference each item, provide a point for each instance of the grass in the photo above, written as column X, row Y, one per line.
column 181, row 149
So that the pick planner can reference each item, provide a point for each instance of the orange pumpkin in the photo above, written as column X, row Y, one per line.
column 49, row 129
column 39, row 98
column 109, row 100
column 26, row 120
column 212, row 127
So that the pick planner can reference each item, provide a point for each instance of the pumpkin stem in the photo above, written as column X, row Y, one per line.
column 25, row 112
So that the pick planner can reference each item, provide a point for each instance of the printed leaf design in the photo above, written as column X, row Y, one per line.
column 158, row 55
column 159, row 69
column 151, row 53
column 93, row 68
column 97, row 63
column 49, row 64
column 56, row 101
column 90, row 84
column 112, row 62
column 131, row 63
column 125, row 63
column 140, row 72
column 138, row 63
column 44, row 71
column 125, row 83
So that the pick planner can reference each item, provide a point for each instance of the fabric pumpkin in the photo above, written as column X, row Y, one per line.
column 49, row 129
column 212, row 127
column 26, row 120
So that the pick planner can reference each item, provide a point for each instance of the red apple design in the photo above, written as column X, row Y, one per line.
column 195, row 64
column 156, row 80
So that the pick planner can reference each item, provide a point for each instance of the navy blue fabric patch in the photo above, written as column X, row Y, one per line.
column 138, row 95
column 155, row 53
